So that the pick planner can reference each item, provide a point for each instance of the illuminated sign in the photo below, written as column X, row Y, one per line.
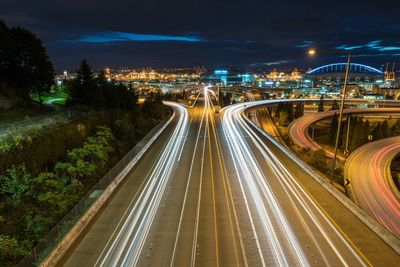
column 220, row 72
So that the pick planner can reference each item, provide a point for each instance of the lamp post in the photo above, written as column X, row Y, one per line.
column 312, row 52
column 346, row 77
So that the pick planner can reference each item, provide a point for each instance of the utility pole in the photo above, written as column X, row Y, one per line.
column 346, row 151
column 346, row 77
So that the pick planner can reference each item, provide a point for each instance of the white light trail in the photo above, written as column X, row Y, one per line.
column 251, row 174
column 128, row 242
column 238, row 134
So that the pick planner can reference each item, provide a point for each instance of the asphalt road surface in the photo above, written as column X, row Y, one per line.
column 219, row 192
column 372, row 186
column 298, row 129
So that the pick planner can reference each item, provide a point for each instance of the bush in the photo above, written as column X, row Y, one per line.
column 11, row 249
column 32, row 205
column 318, row 161
column 47, row 170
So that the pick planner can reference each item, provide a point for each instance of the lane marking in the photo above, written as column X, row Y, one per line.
column 186, row 192
column 223, row 172
column 316, row 203
column 213, row 198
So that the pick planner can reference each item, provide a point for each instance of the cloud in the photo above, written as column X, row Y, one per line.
column 373, row 45
column 305, row 44
column 389, row 48
column 272, row 63
column 112, row 37
column 374, row 55
column 347, row 47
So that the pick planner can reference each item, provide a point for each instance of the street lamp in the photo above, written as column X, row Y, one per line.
column 346, row 77
column 311, row 52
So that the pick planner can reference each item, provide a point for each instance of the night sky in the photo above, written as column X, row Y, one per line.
column 213, row 33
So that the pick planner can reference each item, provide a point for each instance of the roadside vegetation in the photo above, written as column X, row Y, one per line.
column 47, row 166
column 361, row 132
column 283, row 114
column 25, row 67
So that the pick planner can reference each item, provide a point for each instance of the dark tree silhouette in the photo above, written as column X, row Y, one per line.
column 83, row 88
column 335, row 105
column 299, row 110
column 25, row 67
column 290, row 111
column 321, row 104
column 385, row 129
column 333, row 129
column 377, row 132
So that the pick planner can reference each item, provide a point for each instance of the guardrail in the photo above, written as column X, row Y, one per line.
column 100, row 191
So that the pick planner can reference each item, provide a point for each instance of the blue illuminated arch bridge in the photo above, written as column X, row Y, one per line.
column 341, row 67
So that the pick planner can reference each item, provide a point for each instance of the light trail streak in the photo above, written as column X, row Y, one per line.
column 250, row 173
column 227, row 187
column 261, row 193
column 187, row 189
column 289, row 183
column 368, row 169
column 128, row 242
column 298, row 129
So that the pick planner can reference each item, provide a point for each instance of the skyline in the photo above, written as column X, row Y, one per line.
column 208, row 33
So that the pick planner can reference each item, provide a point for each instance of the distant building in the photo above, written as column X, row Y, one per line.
column 227, row 78
column 334, row 74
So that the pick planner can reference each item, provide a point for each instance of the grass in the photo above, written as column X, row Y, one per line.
column 60, row 101
column 56, row 97
column 20, row 113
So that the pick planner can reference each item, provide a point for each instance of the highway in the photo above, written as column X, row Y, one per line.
column 215, row 190
column 286, row 197
column 372, row 186
column 298, row 129
column 181, row 214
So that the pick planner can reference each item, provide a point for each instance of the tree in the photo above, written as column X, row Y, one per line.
column 299, row 110
column 5, row 47
column 16, row 184
column 11, row 250
column 283, row 118
column 83, row 89
column 385, row 129
column 25, row 67
column 226, row 99
column 279, row 107
column 154, row 107
column 343, row 132
column 377, row 132
column 366, row 131
column 318, row 160
column 47, row 191
column 360, row 136
column 395, row 130
column 335, row 105
column 321, row 104
column 290, row 111
column 333, row 129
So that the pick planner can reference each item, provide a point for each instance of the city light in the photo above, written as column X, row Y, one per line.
column 311, row 52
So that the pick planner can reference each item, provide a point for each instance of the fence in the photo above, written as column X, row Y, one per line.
column 46, row 245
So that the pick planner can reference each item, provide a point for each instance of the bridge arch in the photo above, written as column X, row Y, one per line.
column 341, row 67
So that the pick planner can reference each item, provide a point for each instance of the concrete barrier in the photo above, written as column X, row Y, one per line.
column 378, row 229
column 59, row 251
